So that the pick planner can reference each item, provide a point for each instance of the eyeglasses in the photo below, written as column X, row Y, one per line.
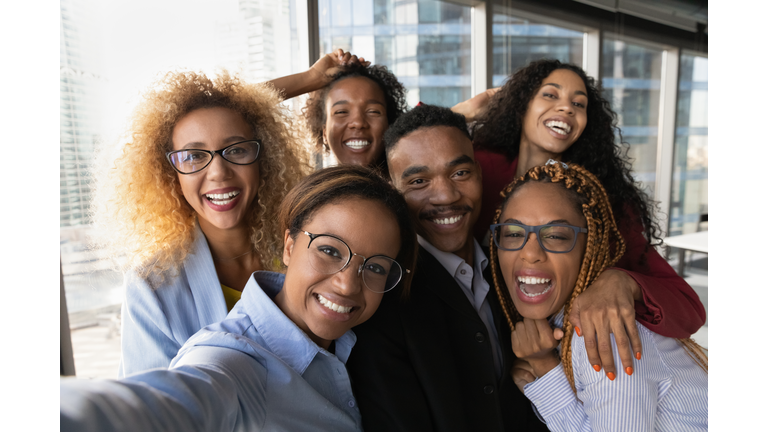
column 329, row 255
column 190, row 161
column 555, row 238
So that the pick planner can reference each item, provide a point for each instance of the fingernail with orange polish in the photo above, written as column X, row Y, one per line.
column 629, row 370
column 578, row 330
column 637, row 355
column 596, row 368
column 611, row 376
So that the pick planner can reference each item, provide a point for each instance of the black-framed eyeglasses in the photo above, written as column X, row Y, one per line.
column 330, row 254
column 555, row 238
column 190, row 161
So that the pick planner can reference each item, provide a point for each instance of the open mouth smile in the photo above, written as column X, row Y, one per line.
column 357, row 144
column 333, row 306
column 447, row 220
column 534, row 287
column 222, row 199
column 559, row 127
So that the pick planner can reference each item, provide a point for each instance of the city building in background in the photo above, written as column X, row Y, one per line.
column 425, row 43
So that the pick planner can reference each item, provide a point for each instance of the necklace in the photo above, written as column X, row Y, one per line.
column 233, row 258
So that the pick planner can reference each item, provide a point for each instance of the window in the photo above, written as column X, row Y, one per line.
column 691, row 160
column 631, row 75
column 517, row 42
column 425, row 43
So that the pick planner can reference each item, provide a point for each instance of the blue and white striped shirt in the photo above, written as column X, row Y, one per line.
column 668, row 391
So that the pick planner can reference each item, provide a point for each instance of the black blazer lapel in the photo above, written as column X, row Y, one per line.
column 432, row 276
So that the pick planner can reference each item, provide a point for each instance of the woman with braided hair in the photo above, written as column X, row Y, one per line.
column 538, row 277
column 551, row 110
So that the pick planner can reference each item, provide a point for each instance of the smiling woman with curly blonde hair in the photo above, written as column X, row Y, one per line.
column 191, row 203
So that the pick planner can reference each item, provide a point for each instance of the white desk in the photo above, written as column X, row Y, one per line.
column 697, row 242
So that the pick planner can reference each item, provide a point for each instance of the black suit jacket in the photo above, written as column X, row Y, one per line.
column 426, row 364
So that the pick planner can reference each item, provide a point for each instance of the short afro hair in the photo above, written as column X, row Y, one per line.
column 423, row 116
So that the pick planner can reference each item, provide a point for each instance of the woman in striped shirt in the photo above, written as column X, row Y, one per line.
column 539, row 277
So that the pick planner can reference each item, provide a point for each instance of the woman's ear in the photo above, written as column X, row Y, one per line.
column 287, row 247
column 325, row 139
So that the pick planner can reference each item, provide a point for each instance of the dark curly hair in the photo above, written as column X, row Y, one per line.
column 422, row 116
column 394, row 95
column 500, row 128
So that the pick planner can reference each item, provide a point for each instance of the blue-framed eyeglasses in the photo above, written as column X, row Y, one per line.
column 190, row 161
column 554, row 238
column 329, row 254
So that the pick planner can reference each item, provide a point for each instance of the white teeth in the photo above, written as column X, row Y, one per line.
column 532, row 280
column 333, row 306
column 357, row 144
column 222, row 199
column 448, row 221
column 562, row 128
column 223, row 196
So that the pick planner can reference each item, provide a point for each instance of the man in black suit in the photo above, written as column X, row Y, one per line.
column 439, row 360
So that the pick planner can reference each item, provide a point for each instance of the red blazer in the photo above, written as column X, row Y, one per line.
column 670, row 307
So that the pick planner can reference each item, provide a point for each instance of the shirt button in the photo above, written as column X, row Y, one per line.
column 462, row 271
column 479, row 337
column 351, row 404
column 488, row 389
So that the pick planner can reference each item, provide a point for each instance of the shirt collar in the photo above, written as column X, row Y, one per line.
column 451, row 261
column 283, row 337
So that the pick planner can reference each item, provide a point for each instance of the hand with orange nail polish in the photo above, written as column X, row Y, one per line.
column 611, row 376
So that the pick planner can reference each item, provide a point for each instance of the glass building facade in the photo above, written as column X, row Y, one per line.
column 631, row 77
column 518, row 41
column 425, row 43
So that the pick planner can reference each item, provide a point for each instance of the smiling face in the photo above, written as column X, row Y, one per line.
column 355, row 121
column 434, row 168
column 326, row 306
column 222, row 193
column 538, row 281
column 557, row 114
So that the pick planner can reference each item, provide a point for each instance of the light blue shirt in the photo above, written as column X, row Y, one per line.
column 475, row 288
column 666, row 392
column 254, row 371
column 159, row 317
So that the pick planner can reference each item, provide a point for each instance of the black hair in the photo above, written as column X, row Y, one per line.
column 423, row 116
column 500, row 128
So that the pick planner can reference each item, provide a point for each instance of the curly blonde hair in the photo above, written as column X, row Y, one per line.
column 138, row 209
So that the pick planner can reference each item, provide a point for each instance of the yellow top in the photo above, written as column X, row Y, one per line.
column 231, row 296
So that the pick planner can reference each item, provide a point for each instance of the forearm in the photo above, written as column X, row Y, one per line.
column 669, row 306
column 159, row 400
column 299, row 83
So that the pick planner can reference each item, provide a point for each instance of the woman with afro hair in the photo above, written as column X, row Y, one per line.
column 552, row 110
column 190, row 204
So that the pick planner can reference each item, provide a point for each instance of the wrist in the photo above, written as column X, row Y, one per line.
column 542, row 365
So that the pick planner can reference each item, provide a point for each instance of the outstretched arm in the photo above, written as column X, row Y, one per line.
column 318, row 75
column 189, row 398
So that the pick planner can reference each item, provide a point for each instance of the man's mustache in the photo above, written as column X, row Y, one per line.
column 429, row 214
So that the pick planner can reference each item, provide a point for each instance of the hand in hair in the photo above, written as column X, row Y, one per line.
column 318, row 75
column 534, row 341
column 473, row 108
column 329, row 64
column 608, row 307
